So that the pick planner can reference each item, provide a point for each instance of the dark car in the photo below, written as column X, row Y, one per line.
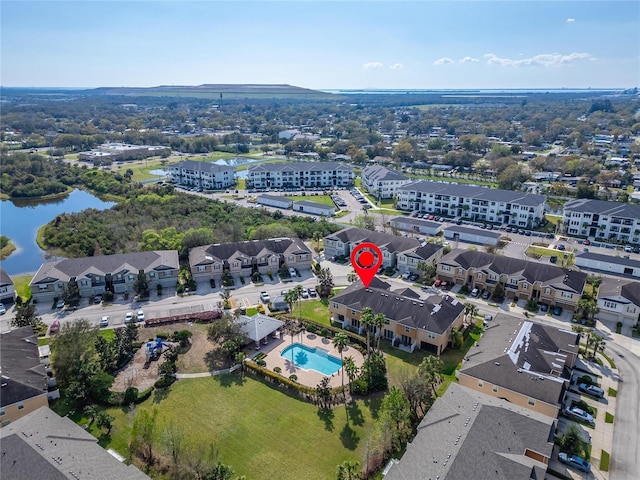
column 508, row 229
column 521, row 232
column 575, row 462
column 486, row 294
column 484, row 225
column 528, row 233
column 544, row 307
column 557, row 311
column 561, row 247
column 592, row 390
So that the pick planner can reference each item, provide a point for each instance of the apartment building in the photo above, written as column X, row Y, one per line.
column 296, row 175
column 602, row 220
column 382, row 182
column 478, row 204
column 206, row 175
column 520, row 279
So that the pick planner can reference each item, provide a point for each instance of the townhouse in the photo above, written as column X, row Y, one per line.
column 427, row 254
column 245, row 258
column 206, row 175
column 526, row 363
column 467, row 434
column 344, row 241
column 7, row 288
column 382, row 182
column 520, row 279
column 410, row 322
column 619, row 301
column 602, row 220
column 478, row 204
column 296, row 175
column 115, row 273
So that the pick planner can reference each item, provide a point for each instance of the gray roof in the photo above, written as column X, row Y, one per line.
column 5, row 279
column 378, row 173
column 120, row 263
column 480, row 193
column 468, row 435
column 322, row 206
column 418, row 222
column 617, row 288
column 524, row 357
column 275, row 198
column 223, row 251
column 299, row 166
column 393, row 243
column 24, row 375
column 44, row 445
column 473, row 231
column 209, row 167
column 258, row 326
column 547, row 274
column 601, row 257
column 601, row 207
column 425, row 251
column 435, row 314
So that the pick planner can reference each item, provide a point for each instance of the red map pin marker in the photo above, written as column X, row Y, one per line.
column 365, row 262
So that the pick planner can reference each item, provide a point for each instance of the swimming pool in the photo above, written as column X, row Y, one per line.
column 312, row 358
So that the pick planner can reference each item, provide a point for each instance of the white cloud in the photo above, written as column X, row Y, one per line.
column 369, row 65
column 468, row 60
column 443, row 61
column 542, row 60
column 396, row 66
column 571, row 20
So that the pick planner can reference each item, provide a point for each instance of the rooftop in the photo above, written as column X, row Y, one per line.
column 23, row 376
column 601, row 207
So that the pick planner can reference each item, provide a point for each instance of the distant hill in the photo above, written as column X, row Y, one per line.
column 228, row 91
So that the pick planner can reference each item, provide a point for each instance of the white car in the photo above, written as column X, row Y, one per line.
column 140, row 316
column 104, row 321
column 264, row 297
column 292, row 272
column 60, row 304
column 128, row 317
column 3, row 309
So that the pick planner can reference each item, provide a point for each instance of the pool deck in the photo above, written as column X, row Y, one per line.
column 310, row 378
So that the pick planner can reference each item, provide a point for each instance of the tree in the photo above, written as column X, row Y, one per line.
column 571, row 442
column 71, row 293
column 325, row 278
column 298, row 294
column 498, row 292
column 25, row 316
column 240, row 359
column 323, row 392
column 291, row 297
column 351, row 368
column 142, row 285
column 370, row 319
column 348, row 470
column 430, row 369
column 173, row 441
column 317, row 236
column 227, row 334
column 91, row 411
column 143, row 434
column 470, row 310
column 396, row 410
column 340, row 341
column 597, row 342
column 104, row 420
column 419, row 394
column 73, row 350
column 456, row 338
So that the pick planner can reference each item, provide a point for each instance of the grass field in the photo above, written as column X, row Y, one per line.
column 107, row 334
column 259, row 431
column 21, row 285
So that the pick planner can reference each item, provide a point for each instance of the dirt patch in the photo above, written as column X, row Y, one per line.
column 138, row 373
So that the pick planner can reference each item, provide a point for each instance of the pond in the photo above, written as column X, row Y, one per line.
column 21, row 220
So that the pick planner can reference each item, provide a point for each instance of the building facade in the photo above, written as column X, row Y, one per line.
column 427, row 254
column 296, row 175
column 619, row 301
column 274, row 201
column 314, row 208
column 519, row 279
column 478, row 204
column 115, row 273
column 382, row 182
column 416, row 226
column 206, row 175
column 7, row 288
column 602, row 220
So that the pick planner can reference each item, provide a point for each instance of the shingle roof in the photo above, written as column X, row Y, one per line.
column 196, row 166
column 299, row 166
column 378, row 173
column 546, row 274
column 468, row 435
column 601, row 207
column 435, row 314
column 45, row 445
column 472, row 231
column 601, row 257
column 614, row 288
column 63, row 270
column 20, row 364
column 223, row 251
column 480, row 193
column 418, row 222
column 5, row 279
column 425, row 251
column 521, row 355
column 393, row 243
column 258, row 326
column 274, row 198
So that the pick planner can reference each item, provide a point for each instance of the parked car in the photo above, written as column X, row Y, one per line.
column 508, row 229
column 413, row 277
column 544, row 307
column 304, row 293
column 97, row 299
column 579, row 414
column 104, row 321
column 437, row 282
column 264, row 297
column 55, row 326
column 488, row 318
column 628, row 248
column 486, row 294
column 575, row 462
column 475, row 292
column 312, row 292
column 292, row 272
column 140, row 316
column 592, row 390
column 557, row 311
column 128, row 317
column 586, row 242
column 60, row 304
column 3, row 309
column 284, row 292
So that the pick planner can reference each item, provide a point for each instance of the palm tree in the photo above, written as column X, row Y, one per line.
column 348, row 470
column 429, row 369
column 240, row 358
column 470, row 310
column 597, row 342
column 366, row 320
column 298, row 295
column 340, row 341
column 378, row 322
column 352, row 370
column 291, row 297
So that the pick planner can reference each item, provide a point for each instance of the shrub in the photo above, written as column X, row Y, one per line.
column 584, row 406
column 324, row 332
column 164, row 382
column 293, row 377
column 277, row 370
column 262, row 363
column 130, row 395
column 107, row 296
column 586, row 379
column 360, row 386
column 242, row 281
column 179, row 289
column 163, row 335
column 311, row 328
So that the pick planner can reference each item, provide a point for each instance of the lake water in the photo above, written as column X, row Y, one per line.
column 20, row 222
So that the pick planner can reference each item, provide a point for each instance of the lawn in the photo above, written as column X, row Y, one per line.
column 107, row 333
column 316, row 310
column 323, row 199
column 21, row 285
column 259, row 431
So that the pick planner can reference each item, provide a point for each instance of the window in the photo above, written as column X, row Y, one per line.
column 479, row 275
column 432, row 335
column 407, row 329
column 531, row 402
column 480, row 383
column 20, row 406
column 495, row 389
column 353, row 312
column 547, row 291
column 152, row 274
column 2, row 412
column 446, row 268
column 567, row 295
column 335, row 305
column 631, row 309
column 608, row 304
column 525, row 286
column 83, row 283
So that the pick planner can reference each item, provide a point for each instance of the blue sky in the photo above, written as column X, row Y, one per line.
column 322, row 44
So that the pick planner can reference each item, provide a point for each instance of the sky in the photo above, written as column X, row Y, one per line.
column 325, row 44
